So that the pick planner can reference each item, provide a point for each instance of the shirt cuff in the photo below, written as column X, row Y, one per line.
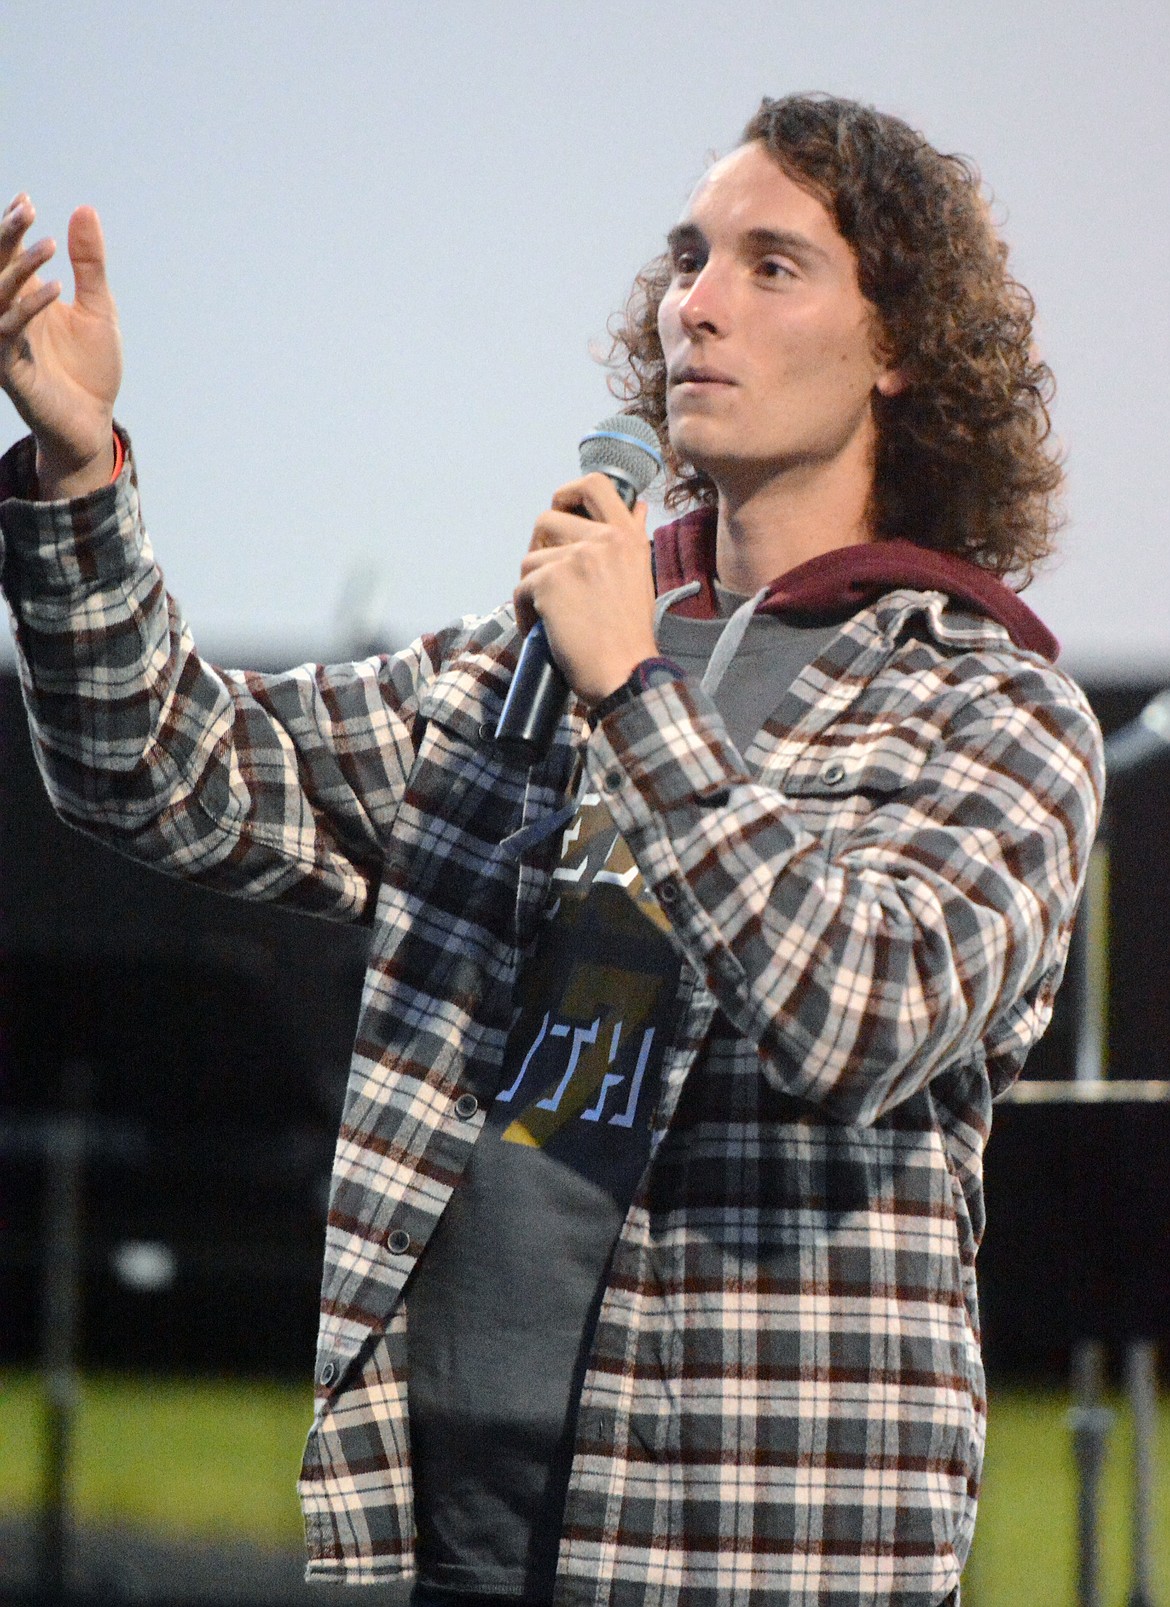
column 650, row 672
column 57, row 546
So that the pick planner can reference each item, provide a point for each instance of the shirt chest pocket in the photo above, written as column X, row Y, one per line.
column 459, row 778
column 838, row 784
column 469, row 807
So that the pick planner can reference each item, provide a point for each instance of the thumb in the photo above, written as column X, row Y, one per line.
column 87, row 253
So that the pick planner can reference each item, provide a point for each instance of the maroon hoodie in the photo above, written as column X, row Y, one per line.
column 842, row 581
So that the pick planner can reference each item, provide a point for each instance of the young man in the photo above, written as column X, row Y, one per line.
column 650, row 1261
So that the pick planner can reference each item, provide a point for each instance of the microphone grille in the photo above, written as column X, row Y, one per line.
column 623, row 445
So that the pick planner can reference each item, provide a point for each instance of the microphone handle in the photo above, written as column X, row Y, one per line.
column 539, row 693
column 536, row 700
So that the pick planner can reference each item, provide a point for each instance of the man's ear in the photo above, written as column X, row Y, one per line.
column 891, row 382
column 892, row 377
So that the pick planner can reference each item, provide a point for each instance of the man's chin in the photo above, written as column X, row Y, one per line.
column 716, row 459
column 703, row 448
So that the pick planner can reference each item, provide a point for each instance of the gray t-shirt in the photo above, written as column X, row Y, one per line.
column 770, row 657
column 502, row 1306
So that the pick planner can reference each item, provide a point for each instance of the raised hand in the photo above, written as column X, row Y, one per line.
column 60, row 363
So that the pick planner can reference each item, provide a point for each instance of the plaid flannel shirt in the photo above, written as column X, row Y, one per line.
column 784, row 1398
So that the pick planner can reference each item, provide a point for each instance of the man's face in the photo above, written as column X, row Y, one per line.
column 770, row 346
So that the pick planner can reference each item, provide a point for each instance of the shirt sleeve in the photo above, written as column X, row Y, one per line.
column 279, row 787
column 924, row 924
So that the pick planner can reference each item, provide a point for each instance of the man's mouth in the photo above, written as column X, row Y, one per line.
column 699, row 374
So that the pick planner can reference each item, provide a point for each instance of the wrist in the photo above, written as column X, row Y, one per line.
column 61, row 481
column 651, row 671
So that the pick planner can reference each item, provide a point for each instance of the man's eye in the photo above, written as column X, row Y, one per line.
column 775, row 268
column 686, row 263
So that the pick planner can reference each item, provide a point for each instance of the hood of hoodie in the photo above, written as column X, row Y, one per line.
column 842, row 581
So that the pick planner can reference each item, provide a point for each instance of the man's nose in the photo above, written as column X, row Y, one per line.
column 703, row 310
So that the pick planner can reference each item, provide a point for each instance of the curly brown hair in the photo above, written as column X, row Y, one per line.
column 965, row 460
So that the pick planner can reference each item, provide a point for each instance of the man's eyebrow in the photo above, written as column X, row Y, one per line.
column 788, row 241
column 685, row 234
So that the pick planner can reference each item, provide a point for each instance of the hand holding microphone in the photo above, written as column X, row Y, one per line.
column 586, row 592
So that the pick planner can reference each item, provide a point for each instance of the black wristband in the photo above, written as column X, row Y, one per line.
column 650, row 672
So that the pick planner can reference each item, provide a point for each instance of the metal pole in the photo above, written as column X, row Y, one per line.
column 1088, row 1419
column 1091, row 966
column 1090, row 1423
column 1141, row 1378
column 65, row 1141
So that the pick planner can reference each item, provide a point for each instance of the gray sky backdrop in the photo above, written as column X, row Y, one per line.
column 362, row 248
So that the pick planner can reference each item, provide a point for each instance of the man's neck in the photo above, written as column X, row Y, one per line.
column 763, row 533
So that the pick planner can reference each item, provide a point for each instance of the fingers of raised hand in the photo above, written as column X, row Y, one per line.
column 17, row 220
column 18, row 310
column 18, row 268
column 21, row 265
column 18, row 314
column 17, row 217
column 87, row 254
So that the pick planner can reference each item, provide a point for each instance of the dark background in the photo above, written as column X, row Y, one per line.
column 206, row 1040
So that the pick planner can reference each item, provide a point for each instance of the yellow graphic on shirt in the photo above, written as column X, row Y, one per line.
column 623, row 1002
column 595, row 995
column 595, row 854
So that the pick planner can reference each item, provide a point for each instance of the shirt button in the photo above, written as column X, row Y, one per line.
column 668, row 892
column 398, row 1241
column 328, row 1373
column 833, row 772
column 466, row 1106
column 613, row 780
column 486, row 732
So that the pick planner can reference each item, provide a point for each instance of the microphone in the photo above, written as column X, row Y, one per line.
column 626, row 449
